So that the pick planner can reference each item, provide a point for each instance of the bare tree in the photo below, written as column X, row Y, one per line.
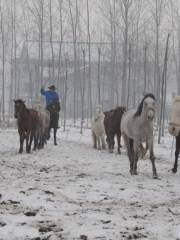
column 129, row 76
column 15, row 50
column 74, row 25
column 89, row 57
column 3, row 60
column 65, row 92
column 145, row 67
column 82, row 87
column 60, row 41
column 157, row 14
column 163, row 90
column 51, row 39
column 175, row 22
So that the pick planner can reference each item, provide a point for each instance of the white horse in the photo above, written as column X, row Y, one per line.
column 44, row 121
column 137, row 128
column 174, row 124
column 98, row 131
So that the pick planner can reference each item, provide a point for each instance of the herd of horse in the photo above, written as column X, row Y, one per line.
column 135, row 126
column 35, row 124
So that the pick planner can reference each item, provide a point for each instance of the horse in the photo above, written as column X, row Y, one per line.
column 136, row 128
column 97, row 128
column 174, row 129
column 28, row 122
column 44, row 122
column 54, row 110
column 112, row 122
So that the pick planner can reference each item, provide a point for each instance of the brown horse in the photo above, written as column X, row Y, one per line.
column 112, row 123
column 28, row 122
column 174, row 170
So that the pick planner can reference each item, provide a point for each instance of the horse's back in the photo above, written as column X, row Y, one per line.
column 98, row 125
column 44, row 117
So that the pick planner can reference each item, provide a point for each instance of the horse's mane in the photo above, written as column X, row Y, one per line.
column 19, row 101
column 140, row 107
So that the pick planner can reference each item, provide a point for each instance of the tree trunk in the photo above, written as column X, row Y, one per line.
column 82, row 86
column 163, row 89
column 89, row 57
column 3, row 63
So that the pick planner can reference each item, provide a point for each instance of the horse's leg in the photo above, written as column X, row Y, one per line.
column 36, row 139
column 43, row 140
column 103, row 142
column 99, row 143
column 135, row 157
column 49, row 133
column 111, row 142
column 35, row 143
column 129, row 146
column 21, row 138
column 108, row 140
column 27, row 141
column 118, row 142
column 94, row 140
column 55, row 131
column 31, row 137
column 152, row 157
column 174, row 170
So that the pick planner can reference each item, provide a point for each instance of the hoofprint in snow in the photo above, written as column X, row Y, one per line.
column 72, row 191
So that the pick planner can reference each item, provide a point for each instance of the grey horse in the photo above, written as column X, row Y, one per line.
column 137, row 128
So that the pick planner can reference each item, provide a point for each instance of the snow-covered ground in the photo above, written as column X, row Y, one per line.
column 72, row 191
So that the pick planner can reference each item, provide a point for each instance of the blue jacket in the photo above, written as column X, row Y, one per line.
column 51, row 96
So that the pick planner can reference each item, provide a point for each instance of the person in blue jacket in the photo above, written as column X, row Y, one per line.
column 51, row 97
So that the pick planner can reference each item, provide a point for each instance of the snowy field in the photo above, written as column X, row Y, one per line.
column 72, row 191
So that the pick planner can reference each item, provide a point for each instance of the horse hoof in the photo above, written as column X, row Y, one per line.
column 131, row 171
column 55, row 144
column 174, row 170
column 20, row 151
column 155, row 176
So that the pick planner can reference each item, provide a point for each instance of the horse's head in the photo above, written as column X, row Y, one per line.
column 149, row 108
column 19, row 107
column 98, row 110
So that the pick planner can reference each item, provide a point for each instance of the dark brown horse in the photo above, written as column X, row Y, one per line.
column 112, row 123
column 28, row 122
column 54, row 110
column 174, row 170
